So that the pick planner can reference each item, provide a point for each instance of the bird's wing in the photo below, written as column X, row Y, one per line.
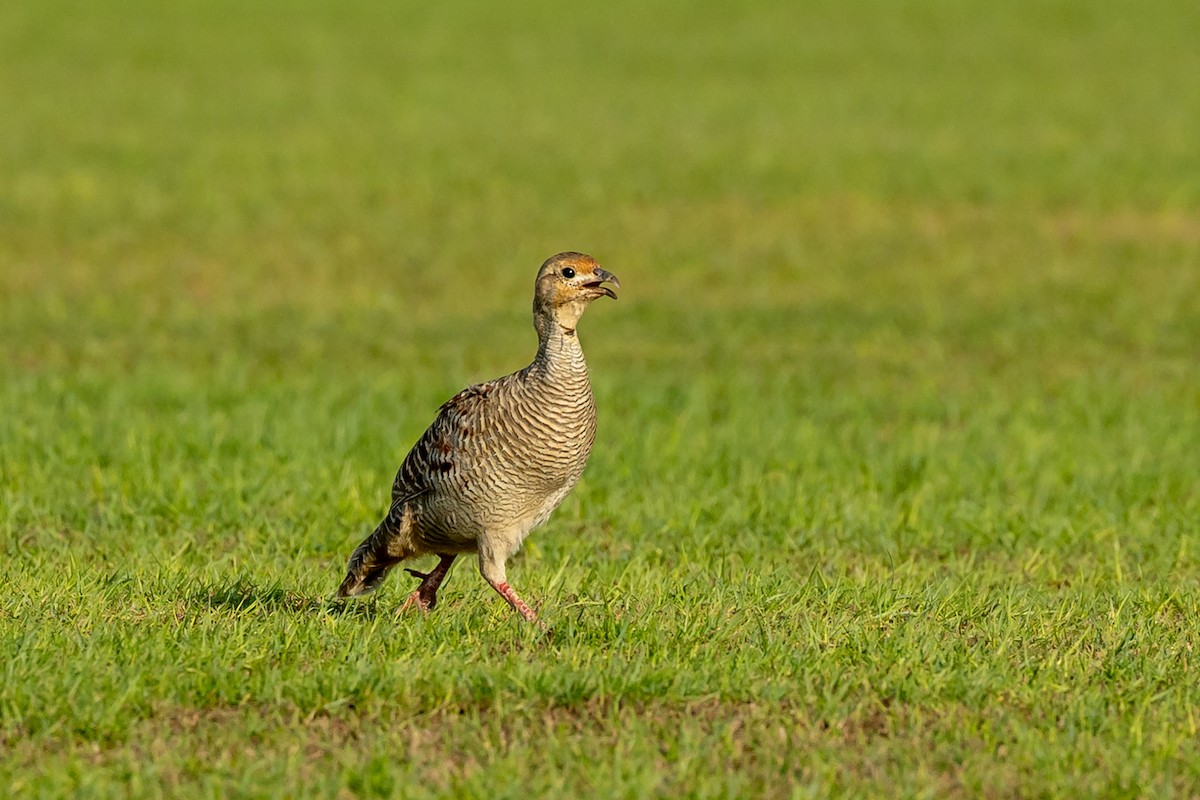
column 443, row 446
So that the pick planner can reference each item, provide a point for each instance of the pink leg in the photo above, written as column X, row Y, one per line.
column 506, row 591
column 425, row 597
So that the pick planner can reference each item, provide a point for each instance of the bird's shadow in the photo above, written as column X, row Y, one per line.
column 244, row 596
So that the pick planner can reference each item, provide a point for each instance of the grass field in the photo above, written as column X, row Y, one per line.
column 897, row 485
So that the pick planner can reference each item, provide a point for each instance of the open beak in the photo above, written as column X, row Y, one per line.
column 602, row 276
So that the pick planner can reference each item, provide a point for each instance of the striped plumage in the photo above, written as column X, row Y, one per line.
column 500, row 456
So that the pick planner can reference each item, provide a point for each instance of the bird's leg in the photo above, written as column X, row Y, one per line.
column 491, row 567
column 504, row 590
column 425, row 597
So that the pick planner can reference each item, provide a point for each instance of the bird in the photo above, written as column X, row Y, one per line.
column 500, row 455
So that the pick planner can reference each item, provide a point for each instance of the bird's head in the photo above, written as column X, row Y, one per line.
column 567, row 284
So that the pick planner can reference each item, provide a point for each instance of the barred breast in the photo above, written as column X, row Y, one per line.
column 501, row 455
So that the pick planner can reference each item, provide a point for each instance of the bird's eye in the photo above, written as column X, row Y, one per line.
column 568, row 272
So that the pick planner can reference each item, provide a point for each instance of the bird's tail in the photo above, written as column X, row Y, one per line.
column 372, row 560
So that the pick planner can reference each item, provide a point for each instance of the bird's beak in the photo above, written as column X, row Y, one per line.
column 603, row 276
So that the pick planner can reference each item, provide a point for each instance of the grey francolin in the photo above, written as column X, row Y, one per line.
column 499, row 457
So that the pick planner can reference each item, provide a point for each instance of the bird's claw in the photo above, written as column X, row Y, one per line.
column 416, row 574
column 419, row 601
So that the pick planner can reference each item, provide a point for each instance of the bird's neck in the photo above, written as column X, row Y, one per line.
column 559, row 351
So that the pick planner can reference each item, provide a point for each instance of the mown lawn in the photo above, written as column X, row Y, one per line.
column 897, row 485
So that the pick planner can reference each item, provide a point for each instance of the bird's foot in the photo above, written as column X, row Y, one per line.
column 423, row 601
column 425, row 597
column 519, row 605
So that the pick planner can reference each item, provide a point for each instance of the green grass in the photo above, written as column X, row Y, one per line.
column 897, row 485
